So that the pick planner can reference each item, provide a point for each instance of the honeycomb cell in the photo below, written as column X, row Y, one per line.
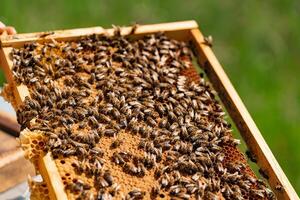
column 38, row 190
column 30, row 143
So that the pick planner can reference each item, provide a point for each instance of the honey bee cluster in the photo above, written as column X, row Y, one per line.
column 90, row 97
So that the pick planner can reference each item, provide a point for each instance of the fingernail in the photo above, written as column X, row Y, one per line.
column 2, row 25
column 11, row 30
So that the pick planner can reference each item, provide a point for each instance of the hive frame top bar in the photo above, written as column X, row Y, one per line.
column 73, row 34
column 185, row 31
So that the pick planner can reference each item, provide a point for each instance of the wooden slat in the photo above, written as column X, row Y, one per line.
column 50, row 174
column 177, row 30
column 46, row 164
column 72, row 34
column 242, row 119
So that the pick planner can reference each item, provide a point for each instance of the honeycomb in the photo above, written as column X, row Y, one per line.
column 32, row 143
column 38, row 190
column 7, row 94
column 114, row 135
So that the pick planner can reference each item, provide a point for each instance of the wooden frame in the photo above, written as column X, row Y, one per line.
column 186, row 31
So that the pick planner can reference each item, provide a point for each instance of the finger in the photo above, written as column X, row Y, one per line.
column 2, row 25
column 1, row 30
column 11, row 30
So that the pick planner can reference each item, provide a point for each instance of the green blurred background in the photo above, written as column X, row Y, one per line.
column 258, row 44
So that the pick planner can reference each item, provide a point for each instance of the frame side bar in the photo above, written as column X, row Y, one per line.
column 46, row 164
column 249, row 131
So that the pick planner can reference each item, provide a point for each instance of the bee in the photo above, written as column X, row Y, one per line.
column 141, row 170
column 236, row 166
column 251, row 156
column 155, row 190
column 172, row 116
column 184, row 196
column 51, row 135
column 102, row 195
column 175, row 189
column 191, row 188
column 108, row 177
column 235, row 142
column 97, row 151
column 173, row 126
column 160, row 108
column 133, row 122
column 114, row 189
column 220, row 168
column 164, row 181
column 251, row 179
column 104, row 118
column 68, row 152
column 263, row 173
column 208, row 41
column 118, row 159
column 130, row 168
column 116, row 143
column 95, row 136
column 115, row 113
column 258, row 193
column 110, row 132
column 137, row 128
column 166, row 145
column 80, row 151
column 237, row 195
column 102, row 181
column 74, row 187
column 151, row 121
column 232, row 177
column 278, row 187
column 270, row 194
column 163, row 122
column 136, row 194
column 149, row 160
column 97, row 167
column 148, row 111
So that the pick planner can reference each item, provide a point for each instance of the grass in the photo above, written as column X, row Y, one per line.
column 257, row 42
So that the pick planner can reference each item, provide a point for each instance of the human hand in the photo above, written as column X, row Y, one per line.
column 8, row 29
